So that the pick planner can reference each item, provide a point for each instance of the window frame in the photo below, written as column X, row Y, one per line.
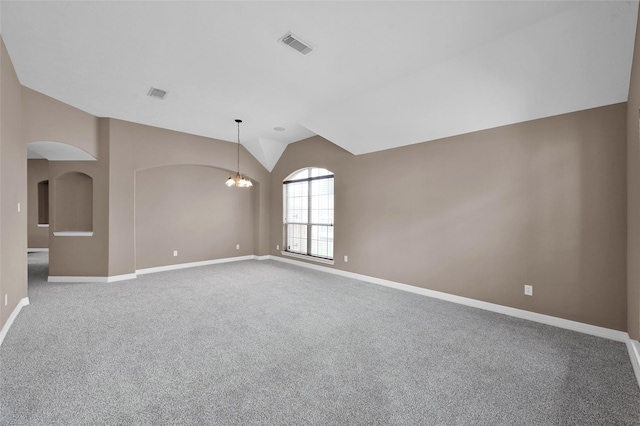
column 309, row 223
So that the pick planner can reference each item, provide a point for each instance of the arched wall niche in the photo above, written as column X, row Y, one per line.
column 40, row 154
column 73, row 203
column 43, row 202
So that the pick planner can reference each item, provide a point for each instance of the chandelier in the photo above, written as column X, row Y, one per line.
column 239, row 180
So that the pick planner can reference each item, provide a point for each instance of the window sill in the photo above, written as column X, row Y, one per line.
column 73, row 234
column 305, row 257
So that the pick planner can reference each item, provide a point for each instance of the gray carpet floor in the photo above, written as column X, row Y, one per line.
column 262, row 342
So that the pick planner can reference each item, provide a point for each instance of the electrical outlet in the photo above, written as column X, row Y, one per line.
column 528, row 290
column 277, row 246
column 237, row 246
column 175, row 252
column 18, row 207
column 6, row 299
column 346, row 259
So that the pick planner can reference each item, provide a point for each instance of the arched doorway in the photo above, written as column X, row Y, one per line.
column 40, row 206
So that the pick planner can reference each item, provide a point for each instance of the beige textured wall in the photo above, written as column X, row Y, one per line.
column 13, row 190
column 82, row 256
column 188, row 209
column 135, row 147
column 47, row 119
column 37, row 171
column 481, row 215
column 633, row 196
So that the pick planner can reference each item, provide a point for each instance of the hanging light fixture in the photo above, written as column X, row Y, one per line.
column 239, row 180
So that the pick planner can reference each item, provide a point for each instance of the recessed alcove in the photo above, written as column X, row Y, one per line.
column 73, row 205
column 43, row 203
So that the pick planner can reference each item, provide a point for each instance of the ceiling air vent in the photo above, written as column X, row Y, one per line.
column 156, row 93
column 294, row 42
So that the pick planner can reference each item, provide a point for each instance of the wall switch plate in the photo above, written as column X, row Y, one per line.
column 175, row 252
column 237, row 246
column 18, row 207
column 6, row 299
column 346, row 258
column 528, row 290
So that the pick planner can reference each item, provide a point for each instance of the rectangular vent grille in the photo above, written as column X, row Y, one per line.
column 295, row 43
column 156, row 93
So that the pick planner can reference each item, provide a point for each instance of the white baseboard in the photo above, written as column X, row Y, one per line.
column 124, row 277
column 77, row 279
column 193, row 264
column 37, row 250
column 5, row 329
column 114, row 278
column 501, row 309
column 633, row 346
column 634, row 353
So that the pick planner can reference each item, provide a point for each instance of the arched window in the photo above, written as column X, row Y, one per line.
column 308, row 213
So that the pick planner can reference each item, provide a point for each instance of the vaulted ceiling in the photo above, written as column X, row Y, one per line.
column 381, row 75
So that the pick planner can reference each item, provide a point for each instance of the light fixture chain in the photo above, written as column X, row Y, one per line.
column 238, row 180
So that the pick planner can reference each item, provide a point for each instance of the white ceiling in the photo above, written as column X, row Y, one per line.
column 383, row 75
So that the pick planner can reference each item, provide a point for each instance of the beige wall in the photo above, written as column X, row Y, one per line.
column 73, row 255
column 633, row 197
column 13, row 190
column 37, row 171
column 80, row 256
column 123, row 149
column 481, row 215
column 187, row 208
column 110, row 251
column 135, row 147
column 48, row 120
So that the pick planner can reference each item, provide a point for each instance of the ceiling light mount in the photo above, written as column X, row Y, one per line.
column 239, row 180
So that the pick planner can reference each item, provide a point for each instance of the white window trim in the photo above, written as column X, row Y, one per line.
column 308, row 179
column 307, row 257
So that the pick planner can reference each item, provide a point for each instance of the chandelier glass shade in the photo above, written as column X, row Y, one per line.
column 238, row 179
